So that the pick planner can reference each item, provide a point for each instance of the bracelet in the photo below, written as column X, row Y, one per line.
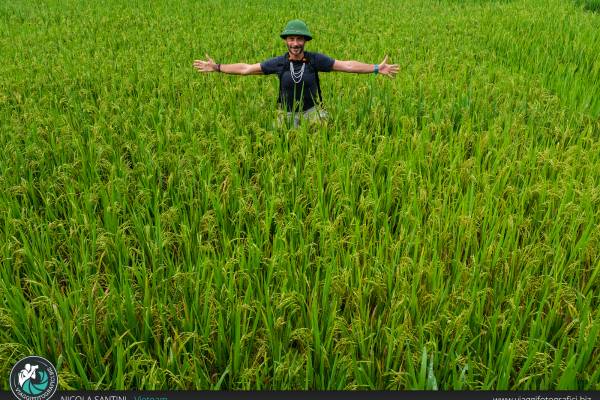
column 375, row 69
column 218, row 67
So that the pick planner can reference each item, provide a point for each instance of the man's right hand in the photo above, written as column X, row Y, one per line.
column 205, row 66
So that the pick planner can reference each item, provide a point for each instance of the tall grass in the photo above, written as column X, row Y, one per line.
column 589, row 5
column 440, row 232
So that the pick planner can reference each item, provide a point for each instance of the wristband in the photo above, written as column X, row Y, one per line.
column 218, row 67
column 375, row 69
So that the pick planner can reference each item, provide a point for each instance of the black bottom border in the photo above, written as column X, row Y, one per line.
column 326, row 395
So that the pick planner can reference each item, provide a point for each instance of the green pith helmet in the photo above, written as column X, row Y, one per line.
column 296, row 27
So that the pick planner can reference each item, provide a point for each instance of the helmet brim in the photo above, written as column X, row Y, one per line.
column 295, row 33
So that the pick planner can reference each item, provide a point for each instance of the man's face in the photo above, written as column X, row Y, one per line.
column 295, row 44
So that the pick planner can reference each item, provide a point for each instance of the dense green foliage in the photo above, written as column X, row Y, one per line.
column 590, row 5
column 441, row 231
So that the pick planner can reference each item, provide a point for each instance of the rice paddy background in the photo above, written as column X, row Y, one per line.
column 441, row 232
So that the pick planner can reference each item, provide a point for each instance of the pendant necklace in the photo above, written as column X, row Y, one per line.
column 297, row 76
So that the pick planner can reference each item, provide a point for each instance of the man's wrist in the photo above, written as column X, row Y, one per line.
column 218, row 68
column 375, row 69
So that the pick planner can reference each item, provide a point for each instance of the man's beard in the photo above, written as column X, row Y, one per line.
column 292, row 48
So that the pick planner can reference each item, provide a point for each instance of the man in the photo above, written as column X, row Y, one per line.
column 27, row 373
column 299, row 88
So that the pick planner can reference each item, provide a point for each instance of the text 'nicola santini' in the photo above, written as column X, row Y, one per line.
column 95, row 397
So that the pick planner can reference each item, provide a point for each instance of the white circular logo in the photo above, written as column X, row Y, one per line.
column 33, row 378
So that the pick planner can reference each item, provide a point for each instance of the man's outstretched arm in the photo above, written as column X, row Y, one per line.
column 357, row 67
column 234, row 69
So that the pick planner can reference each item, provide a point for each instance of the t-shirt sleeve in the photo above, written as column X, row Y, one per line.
column 323, row 63
column 272, row 65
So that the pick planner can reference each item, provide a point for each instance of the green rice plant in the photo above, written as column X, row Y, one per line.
column 157, row 231
column 590, row 5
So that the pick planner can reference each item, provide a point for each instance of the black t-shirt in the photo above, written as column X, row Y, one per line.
column 304, row 94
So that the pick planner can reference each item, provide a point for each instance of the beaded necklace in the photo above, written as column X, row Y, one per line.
column 297, row 76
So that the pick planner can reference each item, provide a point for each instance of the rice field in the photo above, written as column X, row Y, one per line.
column 441, row 231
